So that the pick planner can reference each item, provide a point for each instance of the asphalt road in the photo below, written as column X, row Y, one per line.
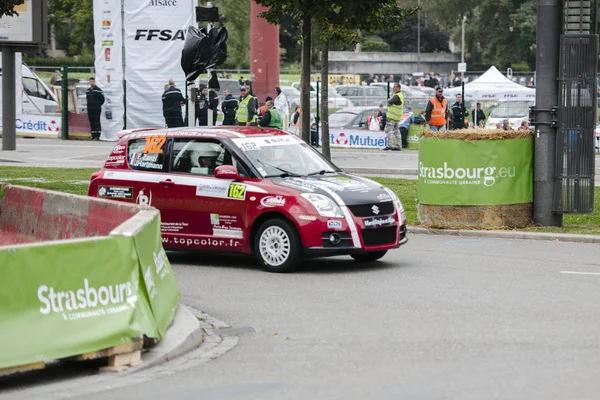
column 441, row 318
column 87, row 154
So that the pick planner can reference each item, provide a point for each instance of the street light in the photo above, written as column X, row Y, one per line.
column 462, row 48
column 419, row 37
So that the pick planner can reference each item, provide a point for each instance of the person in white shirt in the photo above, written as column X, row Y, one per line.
column 374, row 122
column 281, row 103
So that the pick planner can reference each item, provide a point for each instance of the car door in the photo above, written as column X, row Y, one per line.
column 139, row 174
column 203, row 212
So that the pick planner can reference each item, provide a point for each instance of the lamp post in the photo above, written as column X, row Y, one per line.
column 462, row 48
column 419, row 37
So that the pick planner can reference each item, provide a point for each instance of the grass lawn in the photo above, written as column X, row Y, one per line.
column 76, row 181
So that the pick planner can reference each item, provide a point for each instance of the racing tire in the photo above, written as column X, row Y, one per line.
column 277, row 246
column 370, row 256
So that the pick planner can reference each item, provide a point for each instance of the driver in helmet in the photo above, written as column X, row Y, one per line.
column 207, row 161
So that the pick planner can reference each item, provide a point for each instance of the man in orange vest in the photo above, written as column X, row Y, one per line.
column 436, row 112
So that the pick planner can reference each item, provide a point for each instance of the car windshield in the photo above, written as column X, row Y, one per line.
column 511, row 109
column 341, row 118
column 283, row 155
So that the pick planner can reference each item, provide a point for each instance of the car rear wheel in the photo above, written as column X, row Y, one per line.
column 370, row 256
column 277, row 246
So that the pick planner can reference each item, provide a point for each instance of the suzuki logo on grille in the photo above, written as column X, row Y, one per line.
column 375, row 209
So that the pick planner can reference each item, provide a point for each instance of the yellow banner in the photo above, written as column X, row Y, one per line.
column 21, row 7
column 335, row 80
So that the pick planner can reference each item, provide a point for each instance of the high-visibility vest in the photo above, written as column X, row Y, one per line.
column 242, row 112
column 276, row 119
column 395, row 111
column 438, row 113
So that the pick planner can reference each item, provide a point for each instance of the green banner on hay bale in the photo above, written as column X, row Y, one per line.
column 413, row 136
column 468, row 168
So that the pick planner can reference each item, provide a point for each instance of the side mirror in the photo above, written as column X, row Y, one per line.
column 226, row 172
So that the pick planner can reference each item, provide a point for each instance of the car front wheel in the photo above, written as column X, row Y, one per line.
column 277, row 246
column 370, row 256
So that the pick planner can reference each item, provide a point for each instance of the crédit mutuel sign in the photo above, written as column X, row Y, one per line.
column 27, row 27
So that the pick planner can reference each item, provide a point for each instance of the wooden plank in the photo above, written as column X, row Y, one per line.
column 22, row 368
column 111, row 351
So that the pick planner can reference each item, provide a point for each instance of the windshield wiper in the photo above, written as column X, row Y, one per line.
column 321, row 172
column 285, row 173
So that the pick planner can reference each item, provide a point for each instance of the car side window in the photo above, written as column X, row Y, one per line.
column 196, row 156
column 147, row 154
column 33, row 88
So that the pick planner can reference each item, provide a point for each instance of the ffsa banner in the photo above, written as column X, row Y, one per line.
column 109, row 65
column 154, row 37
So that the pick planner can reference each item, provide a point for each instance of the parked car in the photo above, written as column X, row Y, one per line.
column 351, row 117
column 232, row 84
column 254, row 191
column 412, row 97
column 334, row 98
column 293, row 97
column 515, row 111
column 363, row 95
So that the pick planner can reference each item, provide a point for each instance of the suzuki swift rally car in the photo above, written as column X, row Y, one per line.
column 251, row 190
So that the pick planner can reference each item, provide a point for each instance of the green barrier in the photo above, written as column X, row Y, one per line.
column 479, row 172
column 160, row 283
column 61, row 299
column 413, row 136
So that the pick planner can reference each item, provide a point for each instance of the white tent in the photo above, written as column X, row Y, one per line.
column 493, row 85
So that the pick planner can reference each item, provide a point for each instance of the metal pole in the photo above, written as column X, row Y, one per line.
column 64, row 103
column 462, row 48
column 418, row 40
column 9, row 114
column 209, row 112
column 546, row 96
column 317, row 119
column 123, row 62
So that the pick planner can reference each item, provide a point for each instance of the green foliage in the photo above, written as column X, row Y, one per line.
column 81, row 61
column 77, row 14
column 374, row 43
column 404, row 37
column 7, row 6
column 237, row 13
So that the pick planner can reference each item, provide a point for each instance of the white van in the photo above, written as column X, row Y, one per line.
column 515, row 111
column 35, row 97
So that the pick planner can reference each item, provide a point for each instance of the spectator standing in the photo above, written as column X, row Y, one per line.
column 394, row 115
column 263, row 109
column 314, row 136
column 229, row 106
column 459, row 113
column 296, row 121
column 281, row 102
column 382, row 115
column 524, row 126
column 479, row 117
column 202, row 106
column 272, row 118
column 370, row 79
column 374, row 121
column 241, row 81
column 436, row 112
column 246, row 112
column 172, row 100
column 407, row 118
column 506, row 125
column 95, row 98
column 56, row 78
column 213, row 104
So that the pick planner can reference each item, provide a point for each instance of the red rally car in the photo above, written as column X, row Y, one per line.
column 251, row 190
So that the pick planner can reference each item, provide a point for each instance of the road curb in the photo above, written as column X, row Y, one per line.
column 382, row 171
column 184, row 335
column 559, row 237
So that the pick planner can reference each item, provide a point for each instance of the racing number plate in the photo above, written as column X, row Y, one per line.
column 237, row 191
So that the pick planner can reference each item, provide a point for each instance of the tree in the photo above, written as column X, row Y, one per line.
column 7, row 7
column 78, row 16
column 404, row 39
column 340, row 21
column 302, row 13
column 237, row 14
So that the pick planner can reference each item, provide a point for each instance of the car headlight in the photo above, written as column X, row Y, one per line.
column 395, row 199
column 324, row 205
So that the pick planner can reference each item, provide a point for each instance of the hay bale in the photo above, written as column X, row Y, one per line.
column 505, row 216
column 476, row 134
